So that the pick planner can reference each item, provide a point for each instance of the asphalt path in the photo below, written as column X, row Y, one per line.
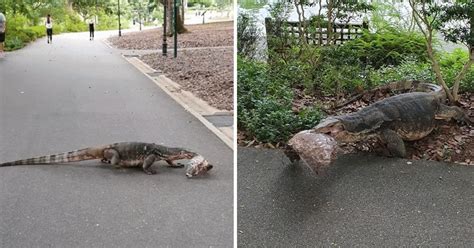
column 363, row 201
column 76, row 93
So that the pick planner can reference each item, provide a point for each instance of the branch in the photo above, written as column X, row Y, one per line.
column 460, row 76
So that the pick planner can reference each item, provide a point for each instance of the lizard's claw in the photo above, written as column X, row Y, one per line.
column 105, row 161
column 150, row 172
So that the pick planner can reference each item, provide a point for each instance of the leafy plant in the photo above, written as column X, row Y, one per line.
column 387, row 47
column 264, row 104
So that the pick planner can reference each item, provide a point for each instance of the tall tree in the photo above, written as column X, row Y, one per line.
column 169, row 5
column 430, row 16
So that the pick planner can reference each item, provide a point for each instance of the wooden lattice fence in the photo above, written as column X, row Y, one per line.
column 289, row 32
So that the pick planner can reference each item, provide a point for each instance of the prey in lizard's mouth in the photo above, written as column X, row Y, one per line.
column 197, row 166
column 317, row 150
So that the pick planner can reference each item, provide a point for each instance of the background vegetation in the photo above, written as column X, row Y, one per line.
column 25, row 19
column 394, row 50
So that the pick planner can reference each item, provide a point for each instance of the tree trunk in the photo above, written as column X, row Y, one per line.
column 169, row 5
column 330, row 24
column 169, row 17
column 462, row 73
column 181, row 28
column 69, row 5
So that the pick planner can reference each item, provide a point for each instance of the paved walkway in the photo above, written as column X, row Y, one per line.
column 77, row 93
column 365, row 201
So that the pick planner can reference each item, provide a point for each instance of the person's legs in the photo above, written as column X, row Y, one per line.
column 2, row 44
column 49, row 32
column 2, row 41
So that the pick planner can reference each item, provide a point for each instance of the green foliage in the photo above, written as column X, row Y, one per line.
column 388, row 47
column 451, row 64
column 460, row 12
column 409, row 69
column 202, row 3
column 18, row 33
column 351, row 66
column 70, row 23
column 264, row 104
column 252, row 4
column 106, row 22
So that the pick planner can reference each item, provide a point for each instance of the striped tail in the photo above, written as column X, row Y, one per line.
column 77, row 155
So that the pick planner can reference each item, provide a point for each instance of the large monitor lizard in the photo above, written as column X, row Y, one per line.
column 126, row 154
column 404, row 117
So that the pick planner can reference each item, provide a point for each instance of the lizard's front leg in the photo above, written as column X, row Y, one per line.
column 394, row 142
column 147, row 163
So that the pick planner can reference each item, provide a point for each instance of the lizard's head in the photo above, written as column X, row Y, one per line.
column 180, row 153
column 336, row 129
column 330, row 126
column 197, row 166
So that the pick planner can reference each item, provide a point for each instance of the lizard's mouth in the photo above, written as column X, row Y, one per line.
column 317, row 150
column 198, row 166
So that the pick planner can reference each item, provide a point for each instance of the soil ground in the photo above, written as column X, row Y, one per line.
column 204, row 66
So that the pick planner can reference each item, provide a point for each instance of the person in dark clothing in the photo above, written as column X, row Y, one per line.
column 3, row 26
column 91, row 30
column 49, row 28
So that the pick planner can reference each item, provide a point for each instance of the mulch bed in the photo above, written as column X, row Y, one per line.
column 207, row 73
column 449, row 141
column 206, row 35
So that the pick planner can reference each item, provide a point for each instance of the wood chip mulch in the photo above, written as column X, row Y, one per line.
column 206, row 68
column 207, row 73
column 206, row 35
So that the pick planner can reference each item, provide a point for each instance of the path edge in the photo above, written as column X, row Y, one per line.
column 165, row 84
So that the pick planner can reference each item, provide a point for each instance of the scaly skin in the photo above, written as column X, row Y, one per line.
column 127, row 154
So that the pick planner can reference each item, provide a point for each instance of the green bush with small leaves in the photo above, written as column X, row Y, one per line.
column 264, row 104
column 451, row 64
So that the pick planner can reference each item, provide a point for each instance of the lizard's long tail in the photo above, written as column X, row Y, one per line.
column 77, row 155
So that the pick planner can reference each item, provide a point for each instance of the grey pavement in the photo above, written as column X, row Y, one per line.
column 363, row 201
column 77, row 93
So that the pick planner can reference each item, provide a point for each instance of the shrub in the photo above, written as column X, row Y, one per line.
column 388, row 47
column 264, row 104
column 451, row 64
column 409, row 69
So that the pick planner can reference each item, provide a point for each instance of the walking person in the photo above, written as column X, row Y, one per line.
column 3, row 27
column 91, row 29
column 49, row 28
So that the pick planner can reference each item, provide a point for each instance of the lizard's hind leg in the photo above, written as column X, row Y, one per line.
column 147, row 163
column 454, row 112
column 111, row 156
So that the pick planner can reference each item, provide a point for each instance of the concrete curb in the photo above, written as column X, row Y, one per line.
column 197, row 107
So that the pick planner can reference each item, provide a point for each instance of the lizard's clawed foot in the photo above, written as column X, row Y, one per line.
column 150, row 172
column 105, row 161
